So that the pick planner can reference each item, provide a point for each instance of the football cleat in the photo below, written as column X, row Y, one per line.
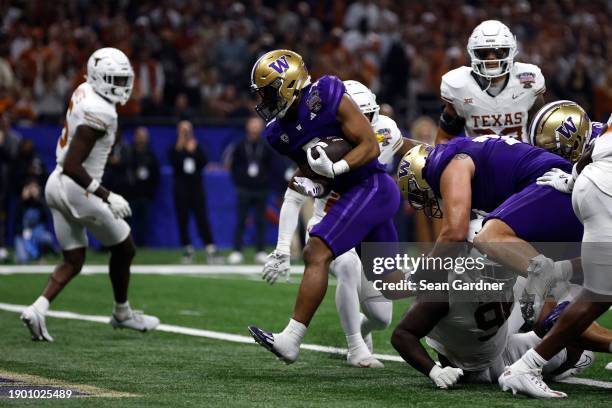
column 609, row 366
column 528, row 382
column 137, row 321
column 35, row 322
column 587, row 358
column 267, row 340
column 363, row 361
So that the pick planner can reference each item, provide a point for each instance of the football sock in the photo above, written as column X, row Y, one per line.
column 356, row 345
column 532, row 359
column 347, row 268
column 41, row 304
column 294, row 332
column 564, row 270
column 377, row 315
column 122, row 311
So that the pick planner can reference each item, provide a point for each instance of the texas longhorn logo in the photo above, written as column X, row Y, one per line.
column 280, row 65
column 567, row 128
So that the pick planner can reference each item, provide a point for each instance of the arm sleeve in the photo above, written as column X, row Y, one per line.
column 289, row 213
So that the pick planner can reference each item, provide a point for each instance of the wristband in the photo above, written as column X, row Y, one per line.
column 93, row 186
column 340, row 167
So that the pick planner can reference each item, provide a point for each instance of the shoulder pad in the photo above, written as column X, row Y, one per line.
column 457, row 78
column 98, row 113
column 328, row 90
column 386, row 122
column 531, row 75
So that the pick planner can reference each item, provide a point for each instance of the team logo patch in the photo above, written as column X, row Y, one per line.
column 285, row 138
column 567, row 128
column 314, row 101
column 383, row 136
column 280, row 65
column 526, row 79
column 403, row 169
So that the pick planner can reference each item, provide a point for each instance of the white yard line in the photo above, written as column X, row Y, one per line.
column 589, row 382
column 236, row 338
column 151, row 269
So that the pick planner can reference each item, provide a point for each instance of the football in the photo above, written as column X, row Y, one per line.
column 334, row 146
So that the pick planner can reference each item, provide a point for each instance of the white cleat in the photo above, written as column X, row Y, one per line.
column 35, row 322
column 285, row 351
column 363, row 361
column 609, row 366
column 528, row 382
column 137, row 321
column 587, row 358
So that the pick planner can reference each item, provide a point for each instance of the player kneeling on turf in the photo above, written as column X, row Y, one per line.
column 77, row 199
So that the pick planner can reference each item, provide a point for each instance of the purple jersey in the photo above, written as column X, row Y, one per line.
column 503, row 167
column 316, row 118
column 597, row 129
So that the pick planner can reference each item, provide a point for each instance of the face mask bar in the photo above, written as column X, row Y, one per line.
column 271, row 102
column 423, row 200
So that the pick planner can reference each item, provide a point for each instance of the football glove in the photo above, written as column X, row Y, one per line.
column 277, row 264
column 557, row 179
column 308, row 187
column 119, row 206
column 446, row 377
column 324, row 166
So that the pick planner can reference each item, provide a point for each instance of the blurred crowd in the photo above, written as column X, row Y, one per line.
column 193, row 58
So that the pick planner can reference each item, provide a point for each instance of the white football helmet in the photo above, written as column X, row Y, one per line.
column 364, row 98
column 492, row 35
column 110, row 74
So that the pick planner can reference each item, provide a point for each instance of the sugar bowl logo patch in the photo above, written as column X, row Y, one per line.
column 526, row 79
column 314, row 101
column 383, row 136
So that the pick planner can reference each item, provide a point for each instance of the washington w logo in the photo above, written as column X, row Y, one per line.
column 280, row 65
column 403, row 169
column 567, row 128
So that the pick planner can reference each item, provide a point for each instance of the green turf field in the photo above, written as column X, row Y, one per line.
column 166, row 369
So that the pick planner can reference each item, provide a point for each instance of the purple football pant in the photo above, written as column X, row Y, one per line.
column 540, row 214
column 363, row 213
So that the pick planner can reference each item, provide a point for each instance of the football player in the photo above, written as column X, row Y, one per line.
column 591, row 193
column 299, row 112
column 78, row 201
column 495, row 175
column 496, row 95
column 352, row 289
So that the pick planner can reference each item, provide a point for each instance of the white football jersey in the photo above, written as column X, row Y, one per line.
column 389, row 140
column 504, row 114
column 89, row 109
column 473, row 334
column 600, row 170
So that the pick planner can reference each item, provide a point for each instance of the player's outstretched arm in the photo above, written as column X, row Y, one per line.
column 406, row 339
column 456, row 191
column 358, row 131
